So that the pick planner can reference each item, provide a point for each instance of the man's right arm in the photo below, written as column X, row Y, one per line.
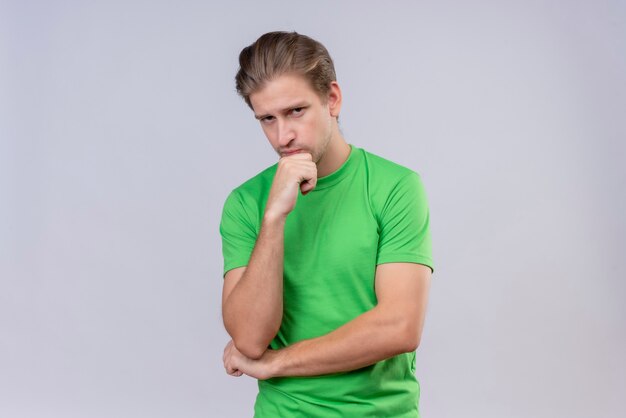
column 252, row 297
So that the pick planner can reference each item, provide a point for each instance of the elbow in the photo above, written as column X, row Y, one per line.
column 409, row 338
column 411, row 344
column 402, row 332
column 251, row 346
column 250, row 349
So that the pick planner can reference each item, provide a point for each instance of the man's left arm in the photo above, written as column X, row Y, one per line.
column 394, row 326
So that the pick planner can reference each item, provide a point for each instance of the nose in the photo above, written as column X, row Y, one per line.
column 286, row 133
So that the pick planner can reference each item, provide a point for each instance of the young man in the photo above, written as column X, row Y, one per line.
column 327, row 254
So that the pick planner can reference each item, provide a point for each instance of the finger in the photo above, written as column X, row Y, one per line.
column 230, row 369
column 300, row 156
column 234, row 372
column 306, row 187
column 226, row 351
column 309, row 183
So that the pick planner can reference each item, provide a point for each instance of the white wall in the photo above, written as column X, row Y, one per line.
column 121, row 135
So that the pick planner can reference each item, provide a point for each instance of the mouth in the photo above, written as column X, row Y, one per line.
column 286, row 154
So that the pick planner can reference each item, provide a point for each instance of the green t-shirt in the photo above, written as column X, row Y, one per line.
column 368, row 212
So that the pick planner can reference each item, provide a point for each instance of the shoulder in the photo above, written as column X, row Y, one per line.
column 246, row 202
column 391, row 185
column 385, row 174
column 255, row 188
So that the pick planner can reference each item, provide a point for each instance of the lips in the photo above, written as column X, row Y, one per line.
column 288, row 153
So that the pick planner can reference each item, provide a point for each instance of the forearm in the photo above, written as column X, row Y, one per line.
column 371, row 337
column 253, row 311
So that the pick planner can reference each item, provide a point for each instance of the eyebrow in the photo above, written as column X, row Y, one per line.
column 286, row 109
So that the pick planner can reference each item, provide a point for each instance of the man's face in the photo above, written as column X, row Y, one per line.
column 293, row 116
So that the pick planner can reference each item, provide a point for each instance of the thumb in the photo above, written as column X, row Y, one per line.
column 307, row 186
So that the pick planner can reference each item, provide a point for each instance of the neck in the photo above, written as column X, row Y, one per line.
column 336, row 154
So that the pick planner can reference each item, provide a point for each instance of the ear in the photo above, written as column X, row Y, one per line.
column 334, row 99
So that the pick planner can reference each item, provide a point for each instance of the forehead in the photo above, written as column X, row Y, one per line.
column 283, row 92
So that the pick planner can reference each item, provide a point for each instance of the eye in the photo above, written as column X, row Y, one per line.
column 297, row 111
column 267, row 119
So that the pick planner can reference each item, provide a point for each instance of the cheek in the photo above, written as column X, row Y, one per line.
column 305, row 129
column 317, row 126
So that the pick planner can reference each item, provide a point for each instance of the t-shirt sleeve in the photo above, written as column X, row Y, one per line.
column 405, row 224
column 238, row 233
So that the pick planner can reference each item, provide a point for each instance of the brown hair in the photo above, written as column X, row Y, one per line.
column 278, row 53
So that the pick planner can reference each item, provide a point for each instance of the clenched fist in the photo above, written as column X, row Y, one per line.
column 236, row 364
column 297, row 171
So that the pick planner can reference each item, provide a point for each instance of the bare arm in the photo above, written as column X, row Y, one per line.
column 252, row 296
column 393, row 327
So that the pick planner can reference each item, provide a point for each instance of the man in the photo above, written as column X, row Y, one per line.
column 327, row 254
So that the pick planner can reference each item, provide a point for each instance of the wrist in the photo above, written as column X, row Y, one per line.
column 273, row 218
column 275, row 363
column 272, row 363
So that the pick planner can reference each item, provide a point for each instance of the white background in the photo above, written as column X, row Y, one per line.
column 121, row 135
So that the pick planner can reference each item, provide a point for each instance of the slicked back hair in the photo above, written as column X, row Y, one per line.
column 278, row 53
